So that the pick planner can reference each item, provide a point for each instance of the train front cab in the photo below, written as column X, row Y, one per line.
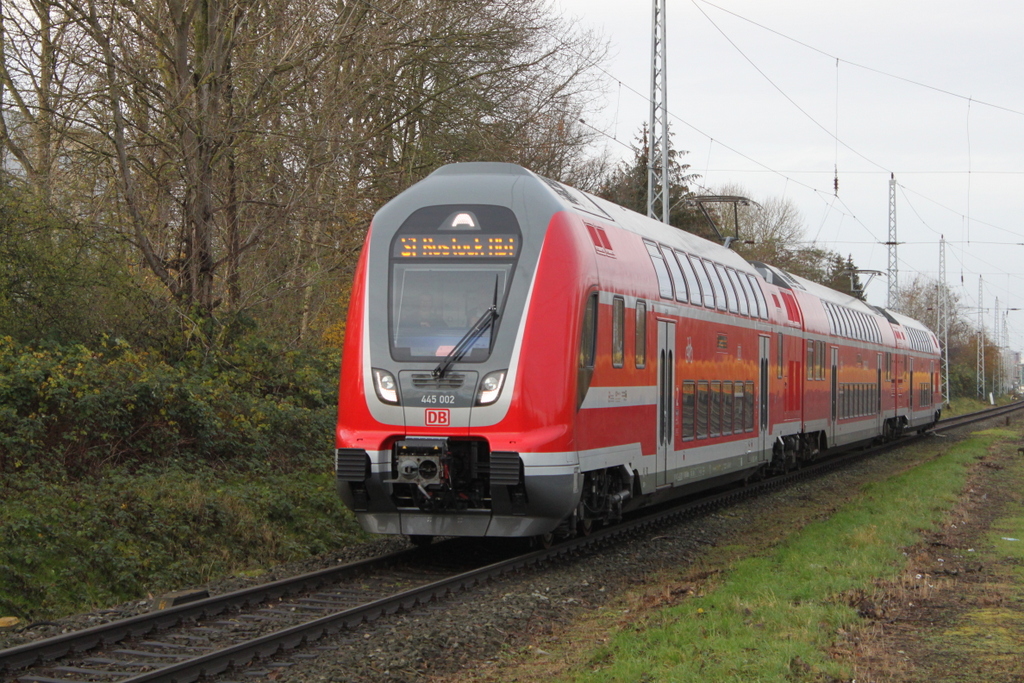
column 437, row 441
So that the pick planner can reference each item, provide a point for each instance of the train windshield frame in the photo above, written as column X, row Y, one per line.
column 447, row 265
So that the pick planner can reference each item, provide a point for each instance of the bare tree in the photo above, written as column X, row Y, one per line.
column 239, row 147
column 40, row 91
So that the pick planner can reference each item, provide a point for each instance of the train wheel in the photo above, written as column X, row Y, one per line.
column 545, row 541
column 421, row 540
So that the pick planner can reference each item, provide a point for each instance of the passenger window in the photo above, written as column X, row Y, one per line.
column 618, row 331
column 844, row 322
column 703, row 405
column 588, row 349
column 727, row 408
column 751, row 299
column 780, row 355
column 716, row 408
column 689, row 408
column 762, row 305
column 677, row 277
column 739, row 408
column 730, row 293
column 741, row 296
column 716, row 284
column 588, row 338
column 748, row 407
column 705, row 283
column 661, row 270
column 691, row 279
column 641, row 334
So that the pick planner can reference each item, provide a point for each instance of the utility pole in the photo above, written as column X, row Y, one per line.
column 657, row 148
column 1007, row 358
column 981, row 342
column 894, row 285
column 942, row 304
column 996, row 329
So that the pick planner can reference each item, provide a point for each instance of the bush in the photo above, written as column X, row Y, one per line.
column 68, row 547
column 123, row 472
column 71, row 411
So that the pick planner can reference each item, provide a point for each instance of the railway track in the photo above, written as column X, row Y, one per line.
column 209, row 636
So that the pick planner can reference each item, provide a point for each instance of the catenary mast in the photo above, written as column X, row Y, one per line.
column 943, row 306
column 894, row 285
column 657, row 148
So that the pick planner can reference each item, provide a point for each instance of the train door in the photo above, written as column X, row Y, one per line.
column 763, row 394
column 910, row 385
column 899, row 365
column 878, row 397
column 834, row 375
column 666, row 384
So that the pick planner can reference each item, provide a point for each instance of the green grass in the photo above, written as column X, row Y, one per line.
column 70, row 546
column 774, row 618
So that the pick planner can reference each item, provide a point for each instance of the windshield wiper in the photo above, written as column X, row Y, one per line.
column 468, row 339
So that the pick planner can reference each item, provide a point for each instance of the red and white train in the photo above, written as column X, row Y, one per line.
column 525, row 359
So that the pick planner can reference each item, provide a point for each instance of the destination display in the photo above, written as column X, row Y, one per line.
column 459, row 246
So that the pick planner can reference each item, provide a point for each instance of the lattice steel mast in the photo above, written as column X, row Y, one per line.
column 943, row 306
column 1008, row 358
column 894, row 285
column 657, row 148
column 996, row 329
column 981, row 342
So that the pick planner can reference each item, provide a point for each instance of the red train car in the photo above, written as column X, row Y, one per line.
column 525, row 359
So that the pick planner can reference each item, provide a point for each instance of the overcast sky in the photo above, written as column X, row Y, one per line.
column 932, row 91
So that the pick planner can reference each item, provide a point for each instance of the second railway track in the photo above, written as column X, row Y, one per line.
column 209, row 636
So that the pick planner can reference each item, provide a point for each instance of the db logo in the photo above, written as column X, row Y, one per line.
column 438, row 417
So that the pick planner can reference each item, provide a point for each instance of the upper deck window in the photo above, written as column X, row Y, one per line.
column 762, row 305
column 677, row 275
column 741, row 296
column 730, row 293
column 691, row 278
column 660, row 269
column 705, row 283
column 716, row 285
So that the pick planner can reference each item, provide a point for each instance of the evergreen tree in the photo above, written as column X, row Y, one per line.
column 626, row 185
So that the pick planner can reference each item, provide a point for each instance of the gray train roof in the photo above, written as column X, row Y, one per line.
column 907, row 321
column 577, row 201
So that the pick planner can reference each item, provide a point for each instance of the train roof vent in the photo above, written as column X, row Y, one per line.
column 600, row 239
column 792, row 309
column 426, row 380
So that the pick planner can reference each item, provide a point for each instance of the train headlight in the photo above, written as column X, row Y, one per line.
column 385, row 385
column 490, row 388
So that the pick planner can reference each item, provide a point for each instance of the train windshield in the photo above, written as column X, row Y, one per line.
column 449, row 264
column 434, row 306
